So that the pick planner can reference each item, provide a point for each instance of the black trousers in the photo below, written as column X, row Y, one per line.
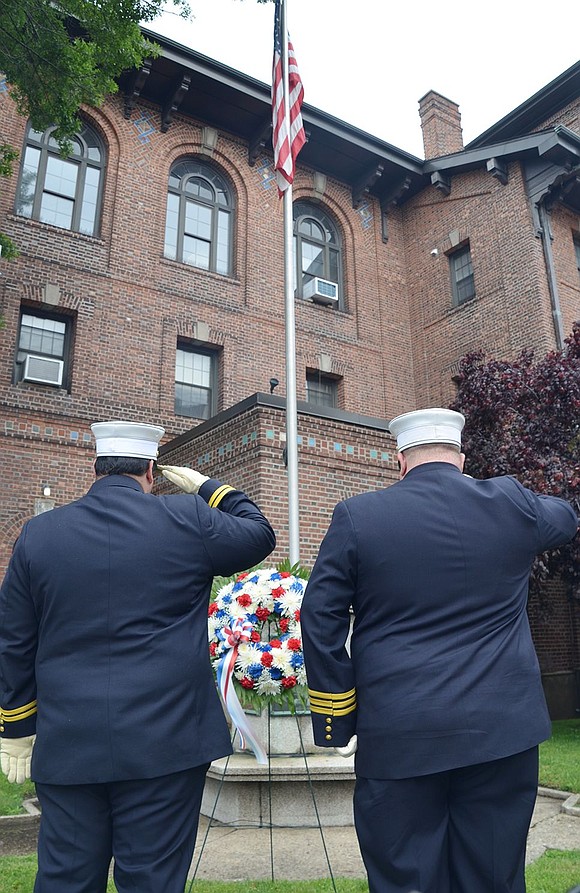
column 461, row 831
column 148, row 826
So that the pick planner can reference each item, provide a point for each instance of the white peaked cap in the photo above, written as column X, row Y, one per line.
column 127, row 439
column 427, row 426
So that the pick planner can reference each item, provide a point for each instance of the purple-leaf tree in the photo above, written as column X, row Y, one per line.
column 523, row 419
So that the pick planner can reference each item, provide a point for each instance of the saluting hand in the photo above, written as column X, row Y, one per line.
column 187, row 479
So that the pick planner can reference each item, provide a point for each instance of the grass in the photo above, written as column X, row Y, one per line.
column 12, row 795
column 555, row 872
column 560, row 757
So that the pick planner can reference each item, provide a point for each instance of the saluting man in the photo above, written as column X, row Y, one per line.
column 440, row 696
column 105, row 670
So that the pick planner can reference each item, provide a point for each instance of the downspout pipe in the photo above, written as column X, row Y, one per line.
column 547, row 238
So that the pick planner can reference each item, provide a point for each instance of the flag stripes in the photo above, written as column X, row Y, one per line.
column 286, row 145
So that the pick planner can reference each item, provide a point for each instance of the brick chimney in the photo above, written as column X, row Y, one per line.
column 441, row 125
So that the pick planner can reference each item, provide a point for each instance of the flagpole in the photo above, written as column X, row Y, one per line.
column 291, row 410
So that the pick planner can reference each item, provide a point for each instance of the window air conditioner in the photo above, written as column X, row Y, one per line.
column 43, row 369
column 321, row 291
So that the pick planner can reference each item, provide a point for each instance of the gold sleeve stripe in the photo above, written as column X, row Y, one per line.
column 219, row 494
column 20, row 716
column 334, row 704
column 332, row 711
column 332, row 696
column 18, row 713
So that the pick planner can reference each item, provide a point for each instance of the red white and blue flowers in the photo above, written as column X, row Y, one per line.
column 258, row 616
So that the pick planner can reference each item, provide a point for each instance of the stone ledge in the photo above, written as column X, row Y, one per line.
column 242, row 767
column 291, row 792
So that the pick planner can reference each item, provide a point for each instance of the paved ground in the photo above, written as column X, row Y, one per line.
column 226, row 853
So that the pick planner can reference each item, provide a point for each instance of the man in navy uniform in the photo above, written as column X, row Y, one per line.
column 104, row 665
column 439, row 690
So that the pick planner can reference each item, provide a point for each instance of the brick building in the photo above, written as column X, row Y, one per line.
column 150, row 287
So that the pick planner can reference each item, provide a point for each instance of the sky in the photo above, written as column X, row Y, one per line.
column 368, row 62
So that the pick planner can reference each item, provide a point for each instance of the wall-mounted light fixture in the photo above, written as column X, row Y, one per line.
column 45, row 502
column 273, row 384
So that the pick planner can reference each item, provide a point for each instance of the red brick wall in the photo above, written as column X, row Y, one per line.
column 511, row 310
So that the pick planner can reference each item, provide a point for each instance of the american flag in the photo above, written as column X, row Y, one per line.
column 286, row 147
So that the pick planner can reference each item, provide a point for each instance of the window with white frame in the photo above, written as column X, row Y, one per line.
column 63, row 192
column 317, row 254
column 462, row 281
column 321, row 389
column 195, row 381
column 42, row 356
column 199, row 221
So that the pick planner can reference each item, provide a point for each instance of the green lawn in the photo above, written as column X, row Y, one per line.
column 560, row 757
column 554, row 872
column 12, row 795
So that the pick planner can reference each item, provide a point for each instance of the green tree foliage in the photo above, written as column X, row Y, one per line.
column 523, row 419
column 59, row 56
column 8, row 250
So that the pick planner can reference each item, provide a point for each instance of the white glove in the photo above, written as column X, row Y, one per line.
column 185, row 478
column 15, row 757
column 348, row 749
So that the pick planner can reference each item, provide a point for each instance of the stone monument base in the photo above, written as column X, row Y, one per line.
column 241, row 792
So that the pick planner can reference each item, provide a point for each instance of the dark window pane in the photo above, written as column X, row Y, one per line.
column 321, row 390
column 63, row 192
column 43, row 336
column 462, row 281
column 197, row 229
column 192, row 401
column 316, row 247
column 194, row 383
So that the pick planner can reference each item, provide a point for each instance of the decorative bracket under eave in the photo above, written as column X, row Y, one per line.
column 136, row 84
column 258, row 141
column 364, row 184
column 498, row 170
column 181, row 86
column 443, row 184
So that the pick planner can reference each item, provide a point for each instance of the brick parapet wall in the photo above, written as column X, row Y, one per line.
column 335, row 460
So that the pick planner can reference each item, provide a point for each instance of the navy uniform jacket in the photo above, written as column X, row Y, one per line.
column 442, row 672
column 103, row 629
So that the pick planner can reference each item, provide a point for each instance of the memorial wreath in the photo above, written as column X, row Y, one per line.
column 255, row 646
column 255, row 638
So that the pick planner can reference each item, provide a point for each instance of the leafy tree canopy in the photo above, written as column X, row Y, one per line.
column 60, row 55
column 523, row 419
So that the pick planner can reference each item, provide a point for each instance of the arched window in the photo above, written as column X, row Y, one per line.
column 317, row 252
column 65, row 192
column 198, row 228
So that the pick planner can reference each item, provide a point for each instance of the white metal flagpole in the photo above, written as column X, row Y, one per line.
column 291, row 410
